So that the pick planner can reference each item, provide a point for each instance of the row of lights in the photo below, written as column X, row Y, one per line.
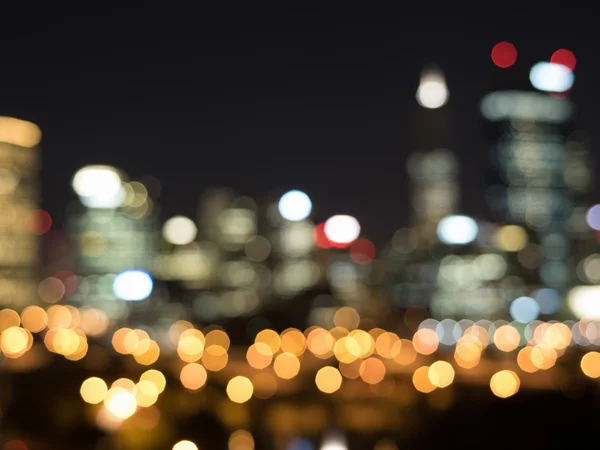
column 555, row 76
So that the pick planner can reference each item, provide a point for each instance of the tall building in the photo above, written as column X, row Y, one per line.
column 413, row 254
column 113, row 228
column 535, row 180
column 19, row 201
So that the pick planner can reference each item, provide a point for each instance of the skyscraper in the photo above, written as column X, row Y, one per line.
column 19, row 200
column 535, row 179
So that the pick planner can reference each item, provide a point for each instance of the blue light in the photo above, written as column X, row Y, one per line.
column 133, row 285
column 524, row 309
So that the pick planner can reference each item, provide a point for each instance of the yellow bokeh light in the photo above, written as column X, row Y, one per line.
column 286, row 366
column 193, row 376
column 120, row 403
column 387, row 345
column 216, row 359
column 241, row 440
column 34, row 318
column 217, row 338
column 269, row 337
column 150, row 356
column 590, row 364
column 441, row 374
column 259, row 355
column 467, row 355
column 372, row 371
column 14, row 341
column 93, row 390
column 328, row 379
column 146, row 393
column 185, row 445
column 347, row 318
column 425, row 341
column 505, row 383
column 543, row 356
column 9, row 318
column 239, row 389
column 320, row 342
column 421, row 380
column 524, row 360
column 293, row 341
column 407, row 354
column 507, row 338
column 156, row 377
column 511, row 238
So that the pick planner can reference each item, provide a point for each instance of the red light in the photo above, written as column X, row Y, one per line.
column 564, row 57
column 39, row 222
column 362, row 251
column 320, row 238
column 504, row 54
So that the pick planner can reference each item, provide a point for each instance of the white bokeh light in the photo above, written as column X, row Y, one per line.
column 133, row 285
column 432, row 92
column 179, row 230
column 457, row 230
column 334, row 441
column 99, row 187
column 122, row 404
column 584, row 301
column 550, row 77
column 295, row 206
column 342, row 229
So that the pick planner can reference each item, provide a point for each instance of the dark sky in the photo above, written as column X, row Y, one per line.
column 260, row 100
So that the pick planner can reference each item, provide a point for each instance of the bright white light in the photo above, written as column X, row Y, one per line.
column 550, row 77
column 458, row 230
column 432, row 92
column 179, row 230
column 99, row 187
column 342, row 229
column 295, row 206
column 584, row 301
column 133, row 285
column 122, row 404
column 334, row 442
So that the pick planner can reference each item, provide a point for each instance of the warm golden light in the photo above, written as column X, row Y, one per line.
column 239, row 389
column 505, row 383
column 286, row 366
column 590, row 364
column 185, row 445
column 193, row 376
column 93, row 390
column 328, row 379
column 441, row 374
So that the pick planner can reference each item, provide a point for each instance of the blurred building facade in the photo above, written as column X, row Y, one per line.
column 19, row 220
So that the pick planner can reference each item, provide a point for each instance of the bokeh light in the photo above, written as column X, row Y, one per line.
column 504, row 54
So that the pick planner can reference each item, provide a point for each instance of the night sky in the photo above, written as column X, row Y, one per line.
column 266, row 100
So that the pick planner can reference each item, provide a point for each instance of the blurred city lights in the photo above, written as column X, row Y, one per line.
column 295, row 206
column 457, row 230
column 524, row 309
column 342, row 229
column 564, row 57
column 334, row 441
column 133, row 285
column 432, row 92
column 99, row 187
column 179, row 230
column 504, row 54
column 551, row 77
column 584, row 301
